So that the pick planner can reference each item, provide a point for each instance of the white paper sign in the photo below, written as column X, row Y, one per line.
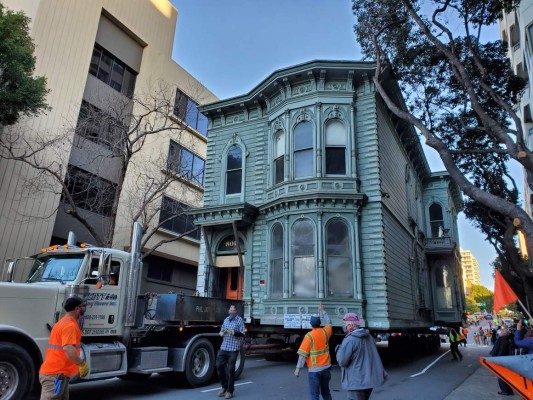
column 292, row 321
column 306, row 321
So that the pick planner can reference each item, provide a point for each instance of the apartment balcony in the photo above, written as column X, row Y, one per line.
column 440, row 245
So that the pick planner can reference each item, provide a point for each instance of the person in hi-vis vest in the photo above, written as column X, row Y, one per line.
column 315, row 351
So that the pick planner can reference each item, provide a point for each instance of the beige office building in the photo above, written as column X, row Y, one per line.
column 470, row 269
column 95, row 54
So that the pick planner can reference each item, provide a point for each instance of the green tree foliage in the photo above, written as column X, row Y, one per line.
column 481, row 294
column 471, row 305
column 459, row 92
column 20, row 92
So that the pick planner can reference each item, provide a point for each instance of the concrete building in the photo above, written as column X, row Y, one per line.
column 516, row 29
column 470, row 268
column 315, row 192
column 98, row 55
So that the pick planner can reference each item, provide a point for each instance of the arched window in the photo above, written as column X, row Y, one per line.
column 303, row 150
column 234, row 170
column 276, row 262
column 443, row 280
column 435, row 220
column 303, row 253
column 335, row 148
column 279, row 157
column 339, row 271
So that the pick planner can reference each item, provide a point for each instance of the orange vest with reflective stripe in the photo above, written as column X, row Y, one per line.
column 66, row 331
column 315, row 347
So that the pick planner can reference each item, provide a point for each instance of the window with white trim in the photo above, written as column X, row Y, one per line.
column 303, row 150
column 335, row 148
column 234, row 170
column 279, row 157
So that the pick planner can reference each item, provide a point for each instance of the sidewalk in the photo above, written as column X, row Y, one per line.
column 482, row 384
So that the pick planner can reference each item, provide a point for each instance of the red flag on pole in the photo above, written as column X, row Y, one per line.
column 503, row 294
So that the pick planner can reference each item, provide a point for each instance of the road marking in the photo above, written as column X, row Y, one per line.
column 218, row 388
column 261, row 359
column 430, row 365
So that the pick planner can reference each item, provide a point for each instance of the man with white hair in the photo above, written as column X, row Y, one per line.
column 357, row 355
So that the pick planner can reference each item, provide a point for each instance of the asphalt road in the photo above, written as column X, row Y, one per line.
column 430, row 377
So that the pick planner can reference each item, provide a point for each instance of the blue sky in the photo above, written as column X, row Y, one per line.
column 232, row 45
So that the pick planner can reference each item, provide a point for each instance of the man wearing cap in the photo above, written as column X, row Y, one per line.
column 315, row 350
column 62, row 359
column 357, row 355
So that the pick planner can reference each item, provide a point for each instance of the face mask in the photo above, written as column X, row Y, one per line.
column 232, row 315
column 344, row 330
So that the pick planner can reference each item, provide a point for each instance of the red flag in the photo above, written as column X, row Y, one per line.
column 503, row 294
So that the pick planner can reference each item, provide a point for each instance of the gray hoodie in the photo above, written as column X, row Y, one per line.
column 358, row 357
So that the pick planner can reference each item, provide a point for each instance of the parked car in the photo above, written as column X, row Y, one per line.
column 488, row 317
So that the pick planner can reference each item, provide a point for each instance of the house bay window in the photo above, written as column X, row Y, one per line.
column 339, row 271
column 303, row 150
column 303, row 256
column 276, row 262
column 279, row 157
column 335, row 148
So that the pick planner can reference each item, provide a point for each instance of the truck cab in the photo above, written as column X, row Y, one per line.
column 124, row 333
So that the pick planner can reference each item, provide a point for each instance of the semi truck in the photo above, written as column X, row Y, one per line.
column 124, row 333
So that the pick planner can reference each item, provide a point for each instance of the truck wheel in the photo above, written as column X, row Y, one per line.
column 200, row 363
column 16, row 372
column 239, row 364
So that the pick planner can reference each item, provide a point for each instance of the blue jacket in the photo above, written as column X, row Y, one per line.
column 521, row 341
column 358, row 357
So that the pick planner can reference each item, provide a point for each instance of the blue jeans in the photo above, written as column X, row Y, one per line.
column 226, row 369
column 319, row 384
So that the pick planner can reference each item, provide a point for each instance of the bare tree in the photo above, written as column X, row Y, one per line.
column 126, row 156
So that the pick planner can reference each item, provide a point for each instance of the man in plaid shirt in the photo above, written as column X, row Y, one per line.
column 232, row 331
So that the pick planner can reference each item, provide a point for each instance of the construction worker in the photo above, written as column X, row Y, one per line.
column 62, row 359
column 315, row 350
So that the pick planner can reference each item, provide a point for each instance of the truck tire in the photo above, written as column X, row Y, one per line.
column 16, row 372
column 200, row 363
column 239, row 364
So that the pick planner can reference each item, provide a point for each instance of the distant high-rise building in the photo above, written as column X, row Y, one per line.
column 470, row 268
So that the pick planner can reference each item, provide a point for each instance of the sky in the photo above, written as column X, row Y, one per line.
column 232, row 45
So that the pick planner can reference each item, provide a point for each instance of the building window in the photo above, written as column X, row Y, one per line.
column 187, row 110
column 279, row 157
column 303, row 253
column 99, row 127
column 186, row 164
column 159, row 272
column 234, row 170
column 339, row 260
column 335, row 148
column 173, row 218
column 90, row 192
column 276, row 262
column 303, row 150
column 436, row 220
column 112, row 71
column 444, row 287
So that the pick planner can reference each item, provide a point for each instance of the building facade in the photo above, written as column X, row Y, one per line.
column 470, row 268
column 315, row 193
column 99, row 57
column 516, row 29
